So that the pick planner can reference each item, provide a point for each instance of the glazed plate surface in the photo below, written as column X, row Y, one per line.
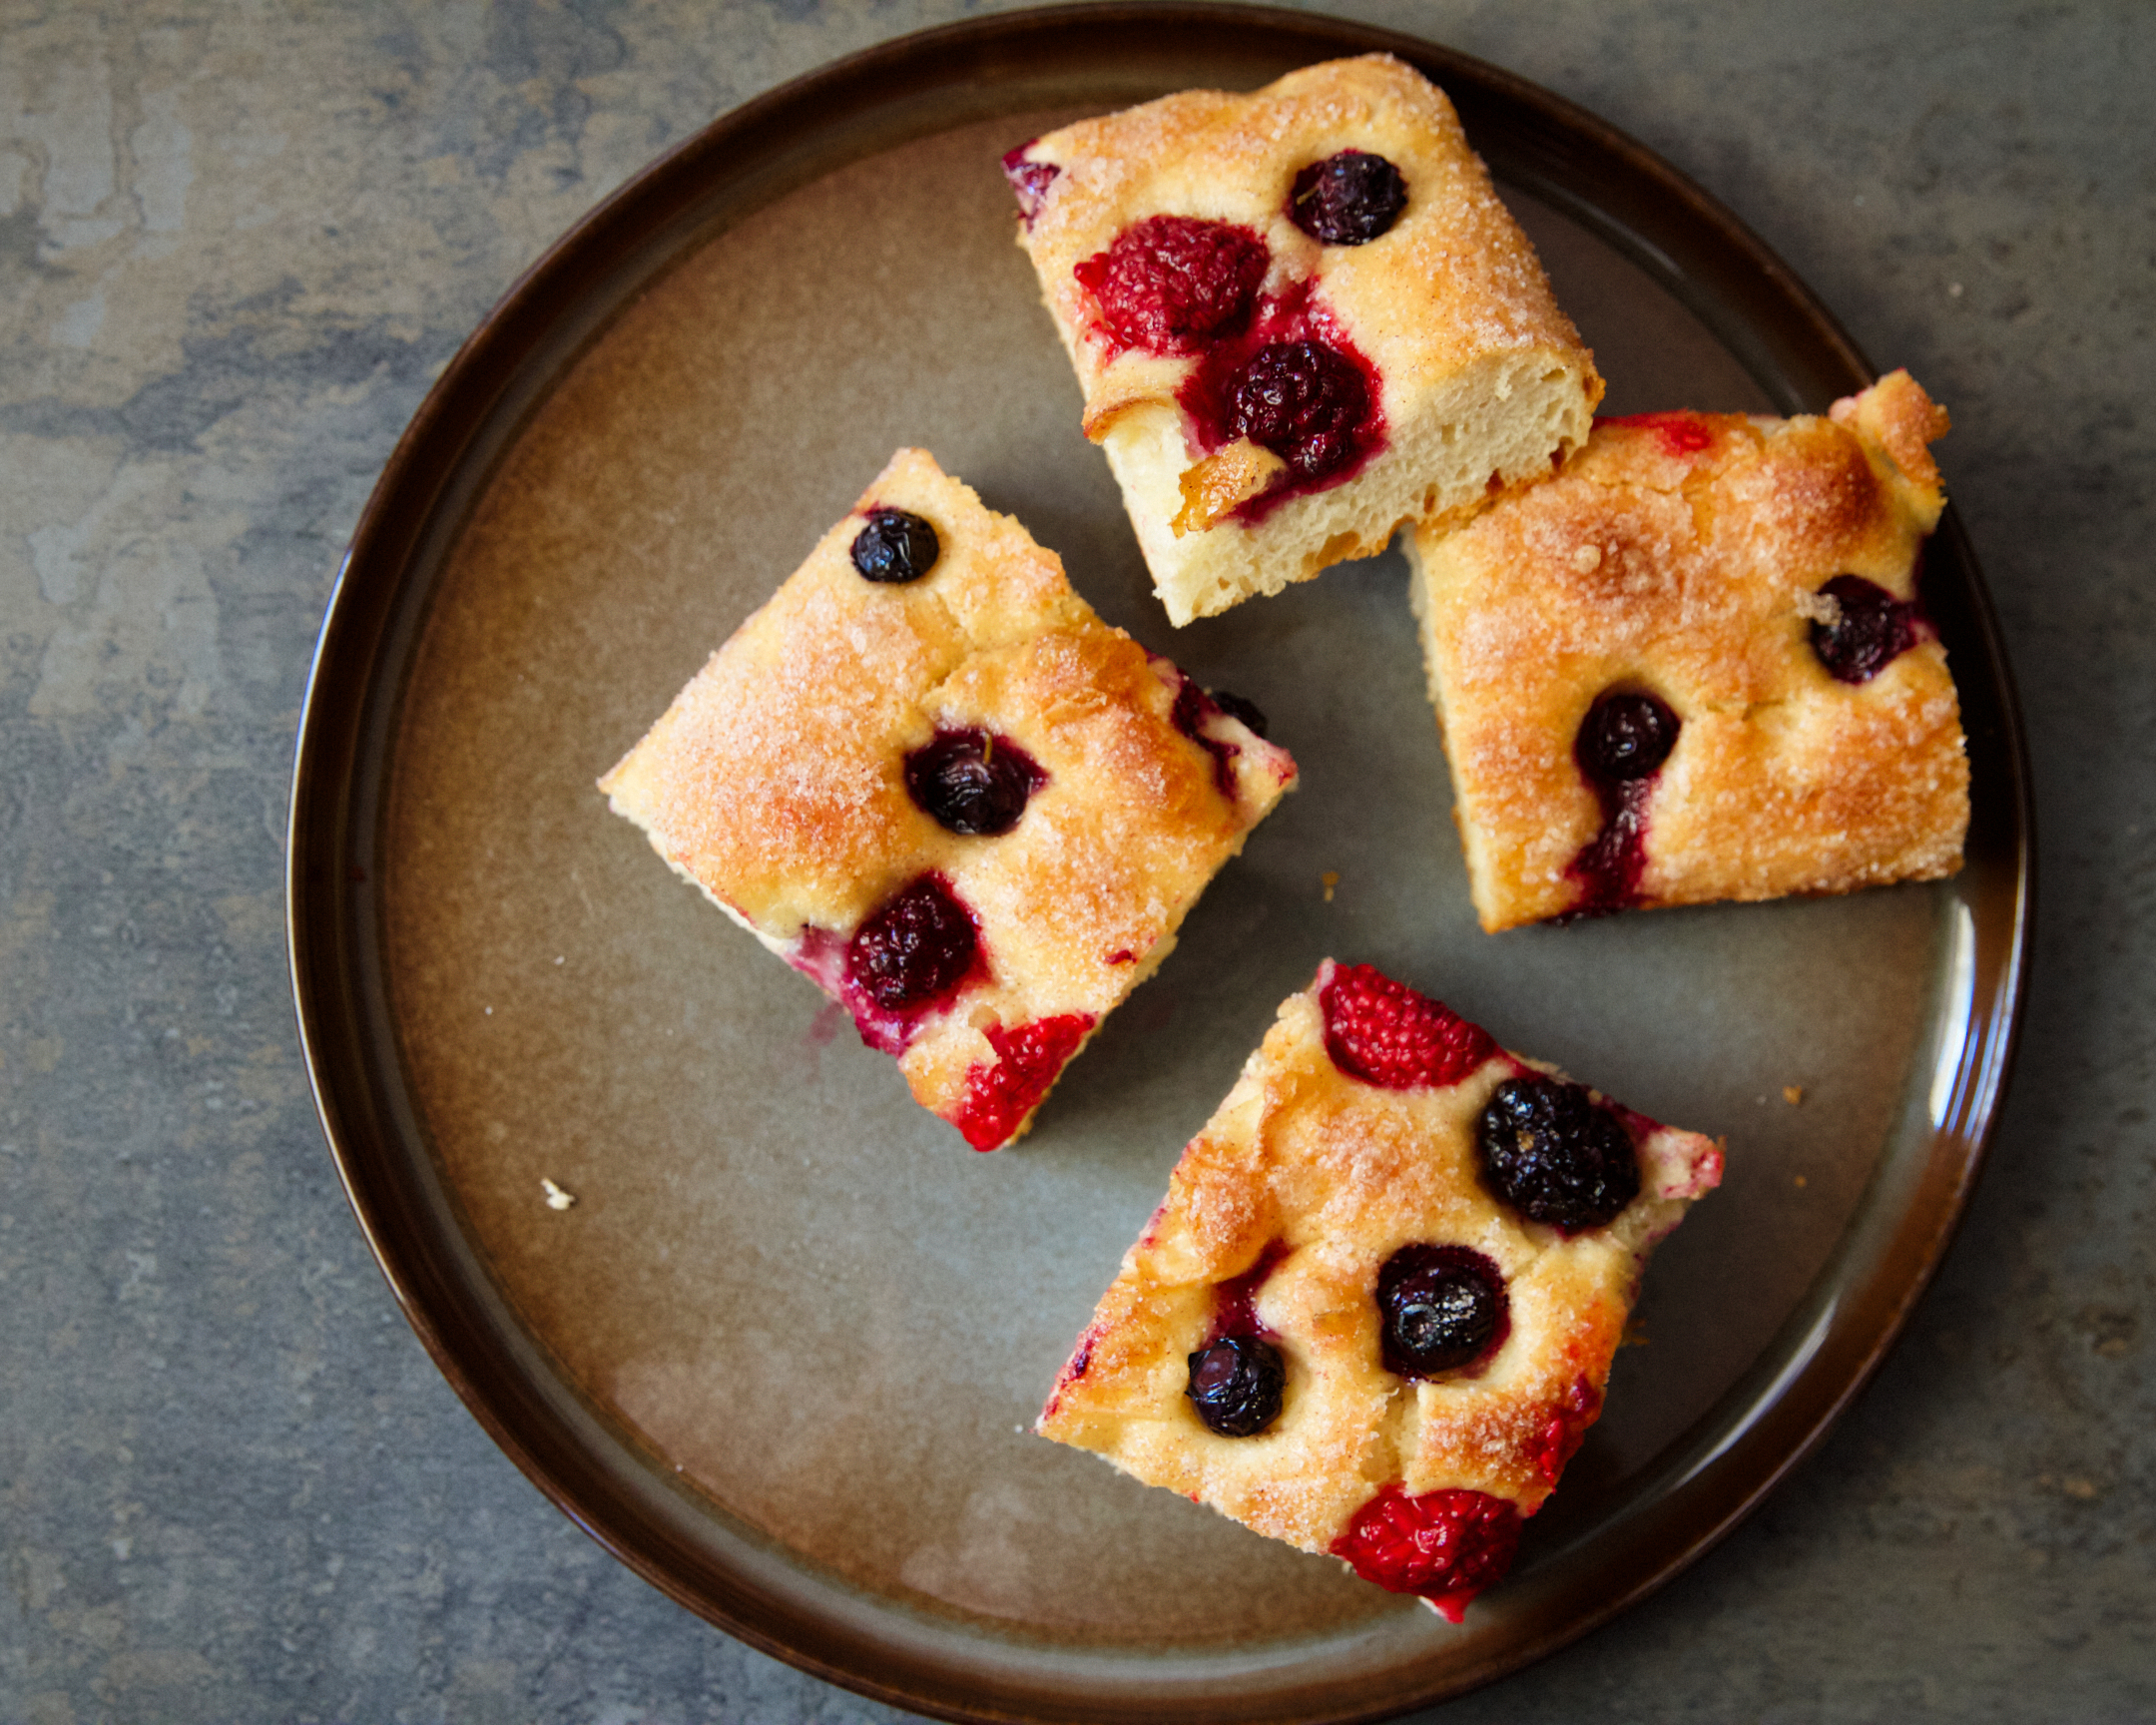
column 781, row 1352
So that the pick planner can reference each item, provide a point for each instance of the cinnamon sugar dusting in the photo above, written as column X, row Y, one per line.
column 1694, row 575
column 1311, row 1180
column 775, row 781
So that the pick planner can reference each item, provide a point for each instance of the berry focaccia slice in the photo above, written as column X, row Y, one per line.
column 1301, row 318
column 929, row 777
column 1376, row 1314
column 1695, row 665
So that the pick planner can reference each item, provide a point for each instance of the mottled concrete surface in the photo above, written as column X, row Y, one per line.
column 237, row 242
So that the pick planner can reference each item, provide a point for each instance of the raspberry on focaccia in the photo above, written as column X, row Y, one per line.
column 1375, row 1315
column 1695, row 665
column 1301, row 318
column 929, row 777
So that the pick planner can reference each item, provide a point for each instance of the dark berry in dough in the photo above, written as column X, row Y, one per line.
column 1439, row 1308
column 1546, row 1149
column 1625, row 737
column 973, row 782
column 915, row 948
column 1237, row 708
column 1304, row 401
column 1348, row 199
column 1236, row 1385
column 1871, row 629
column 895, row 547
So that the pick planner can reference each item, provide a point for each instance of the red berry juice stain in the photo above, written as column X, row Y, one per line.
column 1234, row 1310
column 1192, row 707
column 1560, row 1439
column 825, row 1025
column 1680, row 433
column 1620, row 749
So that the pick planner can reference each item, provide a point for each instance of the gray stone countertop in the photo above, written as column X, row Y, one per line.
column 237, row 243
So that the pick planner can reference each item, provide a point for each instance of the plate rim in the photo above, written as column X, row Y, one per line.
column 331, row 863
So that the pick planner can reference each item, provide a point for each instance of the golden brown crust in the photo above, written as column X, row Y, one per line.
column 1895, row 415
column 1450, row 307
column 775, row 781
column 1683, row 554
column 1337, row 1175
column 1452, row 279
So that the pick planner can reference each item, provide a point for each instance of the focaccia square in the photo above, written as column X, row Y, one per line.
column 1695, row 665
column 929, row 777
column 1376, row 1314
column 1301, row 318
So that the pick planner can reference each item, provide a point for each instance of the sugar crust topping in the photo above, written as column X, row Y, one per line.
column 1454, row 279
column 1682, row 554
column 1330, row 1176
column 775, row 780
column 1481, row 375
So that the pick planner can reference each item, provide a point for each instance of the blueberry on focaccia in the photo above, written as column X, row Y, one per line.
column 1695, row 665
column 1301, row 318
column 930, row 778
column 1375, row 1313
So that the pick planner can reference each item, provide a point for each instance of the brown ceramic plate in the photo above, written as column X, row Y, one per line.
column 778, row 1354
